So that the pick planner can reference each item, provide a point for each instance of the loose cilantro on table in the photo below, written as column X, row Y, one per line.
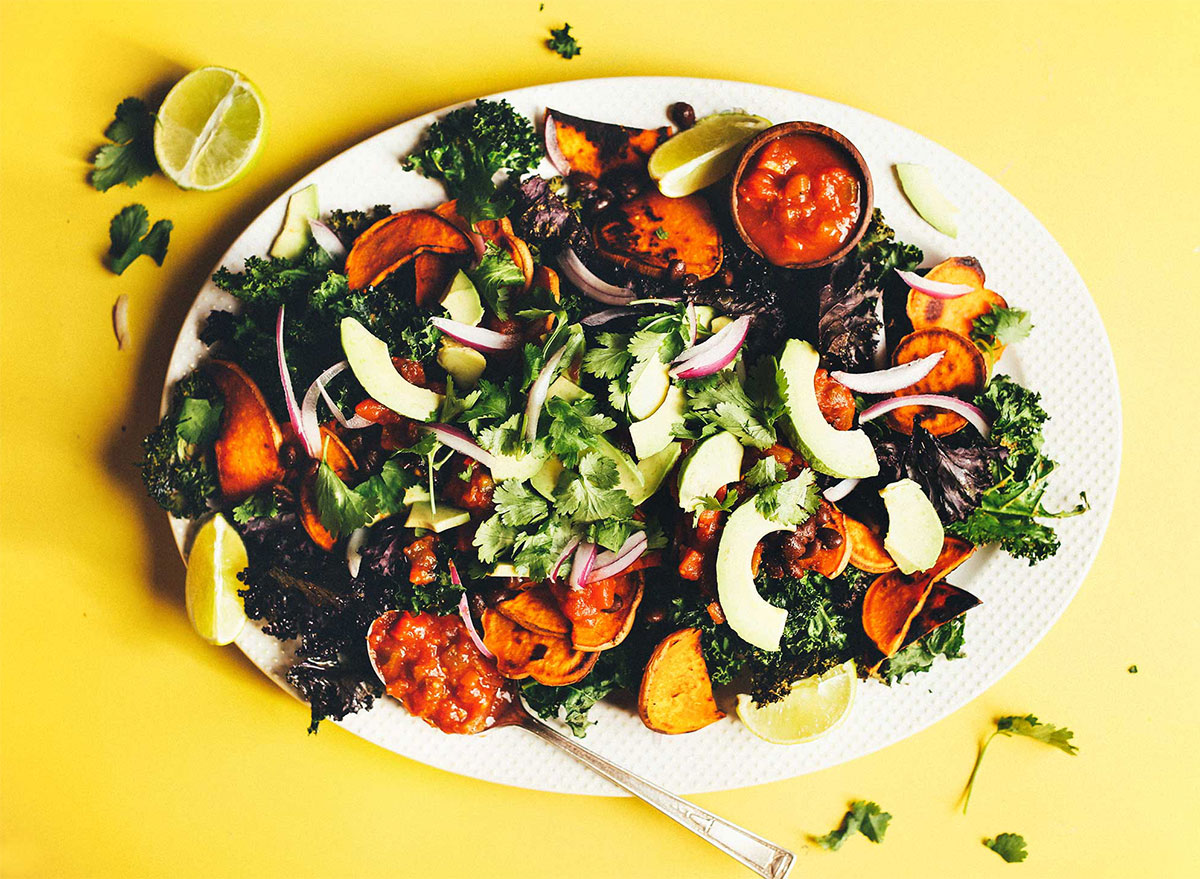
column 131, row 235
column 563, row 43
column 1010, row 846
column 863, row 817
column 1029, row 727
column 130, row 157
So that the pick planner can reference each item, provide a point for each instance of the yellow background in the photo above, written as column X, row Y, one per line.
column 131, row 749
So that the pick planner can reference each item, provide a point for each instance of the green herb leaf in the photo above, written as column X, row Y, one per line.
column 130, row 156
column 563, row 43
column 720, row 401
column 1010, row 846
column 262, row 505
column 592, row 494
column 610, row 359
column 199, row 421
column 765, row 472
column 1027, row 726
column 384, row 492
column 1133, row 669
column 946, row 640
column 517, row 504
column 864, row 817
column 789, row 503
column 494, row 278
column 1001, row 325
column 340, row 508
column 575, row 428
column 131, row 236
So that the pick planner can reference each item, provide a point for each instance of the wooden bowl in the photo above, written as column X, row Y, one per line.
column 866, row 190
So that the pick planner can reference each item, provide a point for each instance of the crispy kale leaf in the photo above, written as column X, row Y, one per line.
column 954, row 477
column 616, row 669
column 563, row 43
column 864, row 817
column 177, row 460
column 883, row 253
column 543, row 218
column 946, row 640
column 847, row 322
column 130, row 236
column 130, row 156
column 1010, row 846
column 348, row 225
column 467, row 147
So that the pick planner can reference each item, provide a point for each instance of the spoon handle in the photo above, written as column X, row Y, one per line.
column 763, row 857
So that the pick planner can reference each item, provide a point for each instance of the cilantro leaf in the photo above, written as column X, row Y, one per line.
column 592, row 494
column 130, row 156
column 719, row 400
column 563, row 43
column 263, row 505
column 340, row 508
column 494, row 278
column 864, row 817
column 199, row 421
column 517, row 504
column 493, row 537
column 1010, row 846
column 610, row 359
column 575, row 428
column 789, row 503
column 384, row 492
column 1001, row 326
column 1029, row 727
column 708, row 502
column 766, row 472
column 131, row 236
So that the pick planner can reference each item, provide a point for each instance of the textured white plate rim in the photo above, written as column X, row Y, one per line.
column 697, row 762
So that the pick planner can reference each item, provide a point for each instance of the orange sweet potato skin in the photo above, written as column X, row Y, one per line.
column 394, row 240
column 247, row 449
column 598, row 148
column 537, row 610
column 676, row 692
column 520, row 653
column 958, row 314
column 433, row 273
column 629, row 235
column 339, row 459
column 962, row 372
column 866, row 548
column 609, row 625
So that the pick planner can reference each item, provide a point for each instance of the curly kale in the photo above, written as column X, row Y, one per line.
column 348, row 225
column 946, row 640
column 177, row 458
column 883, row 254
column 467, row 147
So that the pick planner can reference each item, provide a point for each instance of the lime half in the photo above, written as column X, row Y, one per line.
column 702, row 155
column 210, row 128
column 213, row 604
column 811, row 708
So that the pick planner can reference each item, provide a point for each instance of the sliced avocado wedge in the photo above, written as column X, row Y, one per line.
column 423, row 515
column 519, row 467
column 923, row 194
column 566, row 389
column 653, row 471
column 713, row 463
column 648, row 389
column 754, row 619
column 302, row 206
column 546, row 479
column 915, row 534
column 465, row 364
column 629, row 480
column 372, row 366
column 462, row 301
column 653, row 434
column 841, row 453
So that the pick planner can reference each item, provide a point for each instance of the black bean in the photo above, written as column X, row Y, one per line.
column 288, row 455
column 690, row 280
column 830, row 538
column 675, row 271
column 356, row 443
column 372, row 460
column 582, row 181
column 599, row 205
column 682, row 115
column 727, row 278
column 657, row 615
column 626, row 186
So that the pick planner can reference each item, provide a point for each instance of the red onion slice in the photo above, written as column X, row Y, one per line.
column 120, row 321
column 885, row 381
column 354, row 550
column 714, row 354
column 308, row 409
column 972, row 413
column 600, row 318
column 610, row 564
column 289, row 395
column 461, row 441
column 355, row 423
column 936, row 289
column 464, row 611
column 562, row 558
column 326, row 239
column 839, row 490
column 479, row 338
column 590, row 283
column 550, row 141
column 581, row 567
column 538, row 393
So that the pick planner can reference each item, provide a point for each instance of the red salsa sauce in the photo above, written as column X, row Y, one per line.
column 799, row 198
column 431, row 665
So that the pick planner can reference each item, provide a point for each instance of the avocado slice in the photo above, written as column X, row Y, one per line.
column 653, row 471
column 464, row 364
column 372, row 366
column 840, row 453
column 923, row 194
column 629, row 479
column 546, row 479
column 754, row 619
column 294, row 236
column 519, row 467
column 714, row 462
column 423, row 515
column 648, row 389
column 653, row 434
column 915, row 534
column 462, row 301
column 566, row 389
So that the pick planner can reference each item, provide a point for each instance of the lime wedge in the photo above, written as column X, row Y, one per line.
column 210, row 128
column 213, row 605
column 702, row 155
column 812, row 708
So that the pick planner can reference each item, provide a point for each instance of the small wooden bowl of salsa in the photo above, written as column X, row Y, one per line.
column 801, row 195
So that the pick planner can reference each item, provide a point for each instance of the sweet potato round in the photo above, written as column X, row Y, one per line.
column 676, row 692
column 647, row 232
column 958, row 314
column 394, row 240
column 962, row 372
column 520, row 653
column 537, row 610
column 866, row 548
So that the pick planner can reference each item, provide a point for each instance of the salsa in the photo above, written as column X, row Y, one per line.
column 431, row 665
column 799, row 199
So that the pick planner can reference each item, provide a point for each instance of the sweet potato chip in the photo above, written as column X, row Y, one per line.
column 596, row 148
column 608, row 626
column 866, row 548
column 433, row 273
column 536, row 610
column 958, row 314
column 491, row 230
column 954, row 552
column 247, row 448
column 341, row 462
column 520, row 653
column 962, row 372
column 944, row 603
column 676, row 693
column 647, row 232
column 394, row 240
column 890, row 606
column 520, row 253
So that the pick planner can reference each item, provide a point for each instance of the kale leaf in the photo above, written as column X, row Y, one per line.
column 348, row 225
column 847, row 322
column 946, row 640
column 178, row 468
column 883, row 253
column 953, row 477
column 131, row 235
column 130, row 156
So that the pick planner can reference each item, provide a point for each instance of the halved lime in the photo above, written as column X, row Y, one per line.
column 213, row 603
column 811, row 708
column 210, row 128
column 703, row 154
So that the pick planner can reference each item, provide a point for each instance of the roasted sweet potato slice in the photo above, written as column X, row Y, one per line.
column 608, row 626
column 954, row 552
column 962, row 372
column 520, row 653
column 866, row 548
column 647, row 232
column 491, row 230
column 597, row 148
column 520, row 253
column 676, row 692
column 958, row 314
column 248, row 446
column 537, row 610
column 433, row 273
column 341, row 462
column 394, row 240
column 944, row 603
column 890, row 606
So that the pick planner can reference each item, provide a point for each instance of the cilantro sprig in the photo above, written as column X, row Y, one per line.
column 863, row 817
column 1029, row 727
column 129, row 158
column 563, row 43
column 1010, row 846
column 131, row 235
